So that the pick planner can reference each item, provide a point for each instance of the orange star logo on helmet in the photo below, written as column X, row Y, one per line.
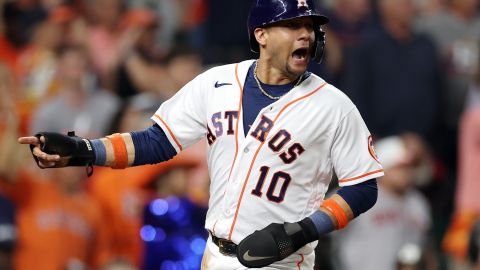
column 302, row 4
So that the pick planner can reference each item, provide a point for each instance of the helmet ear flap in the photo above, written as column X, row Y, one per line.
column 319, row 47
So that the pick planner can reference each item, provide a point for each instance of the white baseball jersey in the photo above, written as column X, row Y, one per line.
column 281, row 170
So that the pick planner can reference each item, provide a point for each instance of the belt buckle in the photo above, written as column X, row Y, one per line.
column 225, row 248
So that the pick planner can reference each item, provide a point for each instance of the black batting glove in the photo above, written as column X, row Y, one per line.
column 275, row 242
column 73, row 150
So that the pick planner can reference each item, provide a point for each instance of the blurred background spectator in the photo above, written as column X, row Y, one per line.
column 411, row 67
column 467, row 205
column 84, row 108
column 455, row 29
column 393, row 76
column 349, row 19
column 400, row 218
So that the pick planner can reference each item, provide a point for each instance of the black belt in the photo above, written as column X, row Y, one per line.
column 226, row 247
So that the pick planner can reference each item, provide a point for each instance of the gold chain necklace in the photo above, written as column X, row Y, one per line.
column 265, row 92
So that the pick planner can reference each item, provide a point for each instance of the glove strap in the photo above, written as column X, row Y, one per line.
column 75, row 162
column 301, row 233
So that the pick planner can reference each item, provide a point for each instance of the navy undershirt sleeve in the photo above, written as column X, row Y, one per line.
column 151, row 146
column 360, row 197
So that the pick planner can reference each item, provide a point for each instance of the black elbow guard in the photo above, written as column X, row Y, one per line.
column 275, row 242
column 73, row 150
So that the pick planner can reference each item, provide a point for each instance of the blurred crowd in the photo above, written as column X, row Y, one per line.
column 412, row 67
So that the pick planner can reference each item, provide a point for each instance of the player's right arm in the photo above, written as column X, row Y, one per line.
column 52, row 150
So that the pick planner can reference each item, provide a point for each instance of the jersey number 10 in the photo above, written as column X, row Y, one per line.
column 277, row 177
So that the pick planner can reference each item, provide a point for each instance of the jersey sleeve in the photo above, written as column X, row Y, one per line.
column 353, row 156
column 182, row 117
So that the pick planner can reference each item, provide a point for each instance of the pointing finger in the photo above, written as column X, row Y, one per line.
column 29, row 140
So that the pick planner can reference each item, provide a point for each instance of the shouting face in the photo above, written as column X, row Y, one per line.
column 287, row 45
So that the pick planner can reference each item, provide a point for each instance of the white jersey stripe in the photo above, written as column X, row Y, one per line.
column 360, row 176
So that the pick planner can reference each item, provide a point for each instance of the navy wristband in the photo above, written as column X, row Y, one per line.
column 100, row 152
column 323, row 223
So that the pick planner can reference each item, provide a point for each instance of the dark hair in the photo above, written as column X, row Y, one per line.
column 20, row 23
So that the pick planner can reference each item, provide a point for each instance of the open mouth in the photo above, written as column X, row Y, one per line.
column 300, row 53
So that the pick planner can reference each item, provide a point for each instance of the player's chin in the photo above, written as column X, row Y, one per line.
column 298, row 66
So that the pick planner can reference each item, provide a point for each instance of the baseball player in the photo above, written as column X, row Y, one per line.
column 276, row 134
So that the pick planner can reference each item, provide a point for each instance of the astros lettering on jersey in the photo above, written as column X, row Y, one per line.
column 281, row 170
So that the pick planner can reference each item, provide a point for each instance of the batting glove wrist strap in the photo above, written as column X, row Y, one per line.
column 73, row 150
column 275, row 242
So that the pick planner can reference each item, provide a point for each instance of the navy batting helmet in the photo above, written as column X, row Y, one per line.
column 265, row 12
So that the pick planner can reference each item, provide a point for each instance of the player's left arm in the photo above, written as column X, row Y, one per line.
column 278, row 241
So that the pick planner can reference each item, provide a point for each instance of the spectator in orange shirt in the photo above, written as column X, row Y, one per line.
column 58, row 224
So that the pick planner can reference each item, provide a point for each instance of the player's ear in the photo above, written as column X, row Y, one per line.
column 261, row 36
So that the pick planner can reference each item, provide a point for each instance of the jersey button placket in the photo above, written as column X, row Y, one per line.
column 234, row 188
